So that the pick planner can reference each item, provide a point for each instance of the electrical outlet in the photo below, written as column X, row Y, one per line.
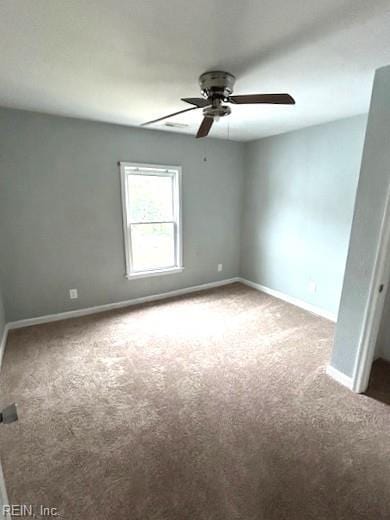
column 73, row 294
column 312, row 286
column 220, row 267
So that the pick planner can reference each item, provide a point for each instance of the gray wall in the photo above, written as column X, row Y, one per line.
column 298, row 205
column 60, row 210
column 369, row 208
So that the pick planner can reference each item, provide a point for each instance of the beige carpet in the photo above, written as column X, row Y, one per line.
column 214, row 406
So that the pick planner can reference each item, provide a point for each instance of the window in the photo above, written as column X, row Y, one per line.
column 151, row 199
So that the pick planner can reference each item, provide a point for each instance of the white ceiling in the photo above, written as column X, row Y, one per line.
column 127, row 61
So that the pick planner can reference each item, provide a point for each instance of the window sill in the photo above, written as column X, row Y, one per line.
column 157, row 272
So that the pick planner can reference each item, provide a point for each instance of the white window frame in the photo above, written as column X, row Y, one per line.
column 129, row 168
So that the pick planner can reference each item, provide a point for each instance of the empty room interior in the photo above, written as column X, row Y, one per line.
column 195, row 259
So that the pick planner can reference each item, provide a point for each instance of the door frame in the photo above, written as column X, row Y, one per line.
column 374, row 305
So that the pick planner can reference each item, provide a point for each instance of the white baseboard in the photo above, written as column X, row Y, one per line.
column 3, row 341
column 161, row 296
column 290, row 299
column 117, row 305
column 340, row 377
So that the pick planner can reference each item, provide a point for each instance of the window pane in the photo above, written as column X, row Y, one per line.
column 150, row 197
column 153, row 246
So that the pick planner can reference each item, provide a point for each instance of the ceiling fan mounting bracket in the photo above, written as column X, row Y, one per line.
column 217, row 83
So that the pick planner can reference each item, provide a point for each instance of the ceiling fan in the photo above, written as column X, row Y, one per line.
column 217, row 88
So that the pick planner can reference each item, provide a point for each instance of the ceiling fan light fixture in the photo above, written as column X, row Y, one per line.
column 217, row 111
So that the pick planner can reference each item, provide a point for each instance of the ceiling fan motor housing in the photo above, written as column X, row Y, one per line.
column 217, row 84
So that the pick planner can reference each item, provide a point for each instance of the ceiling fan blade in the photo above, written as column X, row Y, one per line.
column 169, row 115
column 275, row 99
column 198, row 102
column 205, row 126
